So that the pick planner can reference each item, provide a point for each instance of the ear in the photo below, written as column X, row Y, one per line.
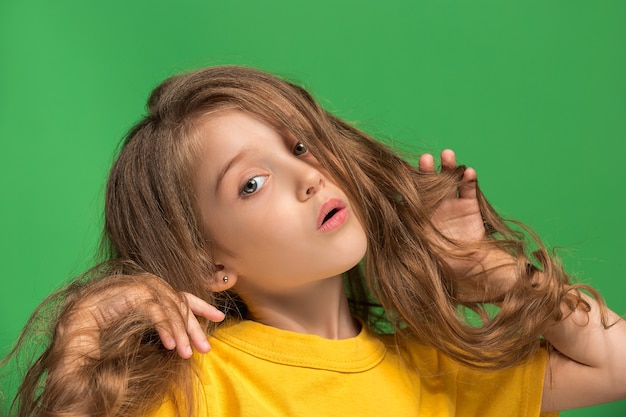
column 222, row 279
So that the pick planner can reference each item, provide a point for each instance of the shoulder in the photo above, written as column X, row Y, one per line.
column 479, row 391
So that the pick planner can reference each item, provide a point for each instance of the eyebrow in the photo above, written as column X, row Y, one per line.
column 229, row 164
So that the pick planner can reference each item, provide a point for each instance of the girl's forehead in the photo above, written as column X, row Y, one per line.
column 234, row 119
column 226, row 133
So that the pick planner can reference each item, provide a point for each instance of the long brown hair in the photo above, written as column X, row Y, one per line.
column 404, row 284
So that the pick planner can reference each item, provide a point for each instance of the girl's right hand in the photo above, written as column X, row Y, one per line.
column 173, row 313
column 181, row 330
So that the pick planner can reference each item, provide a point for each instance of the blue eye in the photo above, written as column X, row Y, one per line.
column 299, row 149
column 253, row 185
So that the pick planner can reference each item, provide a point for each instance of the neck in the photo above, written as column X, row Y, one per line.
column 320, row 308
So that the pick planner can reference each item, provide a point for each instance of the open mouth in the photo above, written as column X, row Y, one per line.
column 330, row 215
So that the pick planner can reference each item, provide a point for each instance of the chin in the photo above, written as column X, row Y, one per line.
column 356, row 256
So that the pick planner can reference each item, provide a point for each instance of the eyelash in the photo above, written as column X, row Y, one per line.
column 299, row 149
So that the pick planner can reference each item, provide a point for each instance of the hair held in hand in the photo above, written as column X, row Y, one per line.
column 404, row 284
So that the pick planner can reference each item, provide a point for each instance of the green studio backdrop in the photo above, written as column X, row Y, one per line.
column 531, row 93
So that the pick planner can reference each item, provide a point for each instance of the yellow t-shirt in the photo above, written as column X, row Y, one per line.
column 257, row 370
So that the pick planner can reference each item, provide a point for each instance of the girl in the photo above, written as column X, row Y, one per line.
column 345, row 275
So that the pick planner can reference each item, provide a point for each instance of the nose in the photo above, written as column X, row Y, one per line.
column 309, row 181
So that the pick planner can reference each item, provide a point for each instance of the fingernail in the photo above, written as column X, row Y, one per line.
column 188, row 350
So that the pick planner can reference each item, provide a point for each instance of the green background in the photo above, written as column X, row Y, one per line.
column 531, row 93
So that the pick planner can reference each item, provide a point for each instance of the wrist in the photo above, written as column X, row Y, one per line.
column 487, row 276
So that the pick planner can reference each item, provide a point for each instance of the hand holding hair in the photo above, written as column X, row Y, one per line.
column 115, row 298
column 484, row 271
column 428, row 242
column 457, row 217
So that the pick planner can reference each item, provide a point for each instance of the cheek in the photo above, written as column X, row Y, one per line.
column 257, row 229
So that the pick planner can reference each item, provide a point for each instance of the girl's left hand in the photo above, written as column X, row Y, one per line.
column 458, row 216
column 485, row 273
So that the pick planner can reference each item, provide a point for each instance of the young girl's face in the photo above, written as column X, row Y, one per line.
column 277, row 221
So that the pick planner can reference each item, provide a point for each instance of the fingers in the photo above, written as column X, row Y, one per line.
column 197, row 335
column 172, row 313
column 426, row 162
column 448, row 160
column 177, row 325
column 448, row 163
column 166, row 309
column 169, row 322
column 202, row 308
column 467, row 189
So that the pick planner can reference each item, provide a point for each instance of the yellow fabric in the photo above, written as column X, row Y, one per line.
column 256, row 370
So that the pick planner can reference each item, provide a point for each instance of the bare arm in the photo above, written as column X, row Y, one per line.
column 589, row 366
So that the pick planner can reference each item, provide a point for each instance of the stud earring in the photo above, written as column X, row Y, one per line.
column 225, row 278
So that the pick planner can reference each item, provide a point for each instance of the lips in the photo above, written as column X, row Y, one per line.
column 332, row 214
